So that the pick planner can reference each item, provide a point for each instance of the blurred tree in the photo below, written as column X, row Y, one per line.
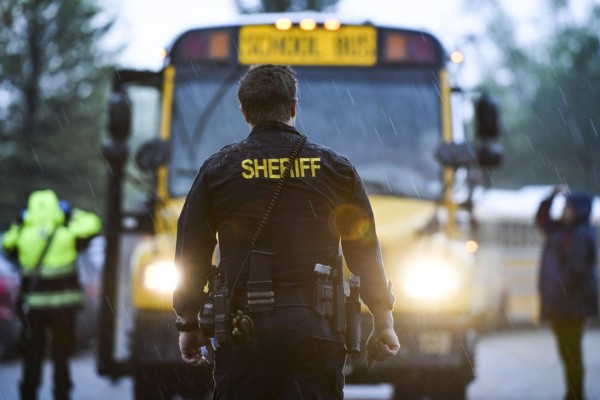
column 52, row 95
column 550, row 96
column 286, row 5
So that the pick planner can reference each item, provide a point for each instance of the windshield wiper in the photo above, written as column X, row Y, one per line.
column 212, row 104
column 204, row 116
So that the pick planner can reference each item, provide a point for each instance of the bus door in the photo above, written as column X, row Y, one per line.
column 134, row 123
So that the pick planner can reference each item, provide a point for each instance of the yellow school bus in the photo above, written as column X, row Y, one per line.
column 379, row 95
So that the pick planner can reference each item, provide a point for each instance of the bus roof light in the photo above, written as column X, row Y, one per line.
column 457, row 57
column 214, row 45
column 332, row 24
column 283, row 24
column 471, row 246
column 410, row 47
column 308, row 24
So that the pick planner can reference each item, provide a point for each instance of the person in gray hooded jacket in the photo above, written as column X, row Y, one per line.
column 568, row 283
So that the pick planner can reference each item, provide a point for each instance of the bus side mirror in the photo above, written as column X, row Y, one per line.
column 487, row 130
column 455, row 155
column 119, row 117
column 490, row 154
column 152, row 155
column 487, row 118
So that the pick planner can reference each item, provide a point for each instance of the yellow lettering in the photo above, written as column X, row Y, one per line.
column 247, row 165
column 296, row 163
column 303, row 165
column 284, row 163
column 262, row 167
column 314, row 166
column 274, row 168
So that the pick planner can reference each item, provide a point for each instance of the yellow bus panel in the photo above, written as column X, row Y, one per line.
column 347, row 46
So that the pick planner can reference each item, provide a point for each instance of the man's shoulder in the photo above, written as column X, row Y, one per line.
column 230, row 148
column 222, row 156
column 329, row 153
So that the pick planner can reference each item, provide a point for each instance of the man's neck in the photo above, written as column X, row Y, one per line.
column 290, row 122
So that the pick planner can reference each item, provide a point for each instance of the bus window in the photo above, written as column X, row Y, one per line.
column 386, row 121
column 145, row 124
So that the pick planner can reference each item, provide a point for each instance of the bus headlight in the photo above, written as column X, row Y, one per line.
column 161, row 276
column 431, row 281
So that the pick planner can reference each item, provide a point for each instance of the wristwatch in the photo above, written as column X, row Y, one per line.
column 186, row 326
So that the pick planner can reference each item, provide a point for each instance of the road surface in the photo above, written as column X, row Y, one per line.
column 516, row 365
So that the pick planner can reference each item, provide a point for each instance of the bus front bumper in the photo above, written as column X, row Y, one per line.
column 429, row 345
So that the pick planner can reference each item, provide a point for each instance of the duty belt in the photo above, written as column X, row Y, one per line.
column 279, row 298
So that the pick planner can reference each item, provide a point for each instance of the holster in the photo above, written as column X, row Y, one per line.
column 323, row 290
column 353, row 332
column 215, row 320
column 339, row 324
column 331, row 300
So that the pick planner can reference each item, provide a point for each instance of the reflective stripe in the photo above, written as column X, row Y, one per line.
column 54, row 299
column 51, row 271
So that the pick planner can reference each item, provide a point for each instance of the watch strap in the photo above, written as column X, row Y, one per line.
column 187, row 326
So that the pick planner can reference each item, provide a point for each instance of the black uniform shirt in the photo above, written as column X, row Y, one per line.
column 323, row 200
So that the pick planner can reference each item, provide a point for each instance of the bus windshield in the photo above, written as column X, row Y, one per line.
column 386, row 121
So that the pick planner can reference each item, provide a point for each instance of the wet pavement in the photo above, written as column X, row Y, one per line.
column 525, row 365
column 515, row 365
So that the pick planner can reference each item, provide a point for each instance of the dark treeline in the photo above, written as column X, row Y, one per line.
column 53, row 90
column 549, row 92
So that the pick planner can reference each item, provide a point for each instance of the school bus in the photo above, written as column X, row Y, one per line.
column 379, row 95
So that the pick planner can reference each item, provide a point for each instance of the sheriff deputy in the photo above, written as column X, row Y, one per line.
column 292, row 350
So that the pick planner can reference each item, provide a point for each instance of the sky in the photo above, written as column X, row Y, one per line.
column 146, row 27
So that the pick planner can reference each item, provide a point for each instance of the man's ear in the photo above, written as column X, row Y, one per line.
column 293, row 110
column 244, row 114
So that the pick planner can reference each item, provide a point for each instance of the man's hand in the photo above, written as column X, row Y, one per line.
column 381, row 345
column 383, row 342
column 190, row 345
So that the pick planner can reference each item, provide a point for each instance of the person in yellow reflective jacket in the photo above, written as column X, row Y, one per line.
column 46, row 241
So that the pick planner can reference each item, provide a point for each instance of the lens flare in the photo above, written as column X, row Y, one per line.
column 161, row 276
column 350, row 222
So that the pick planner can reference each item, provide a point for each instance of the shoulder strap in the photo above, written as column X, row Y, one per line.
column 36, row 271
column 267, row 215
column 280, row 184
